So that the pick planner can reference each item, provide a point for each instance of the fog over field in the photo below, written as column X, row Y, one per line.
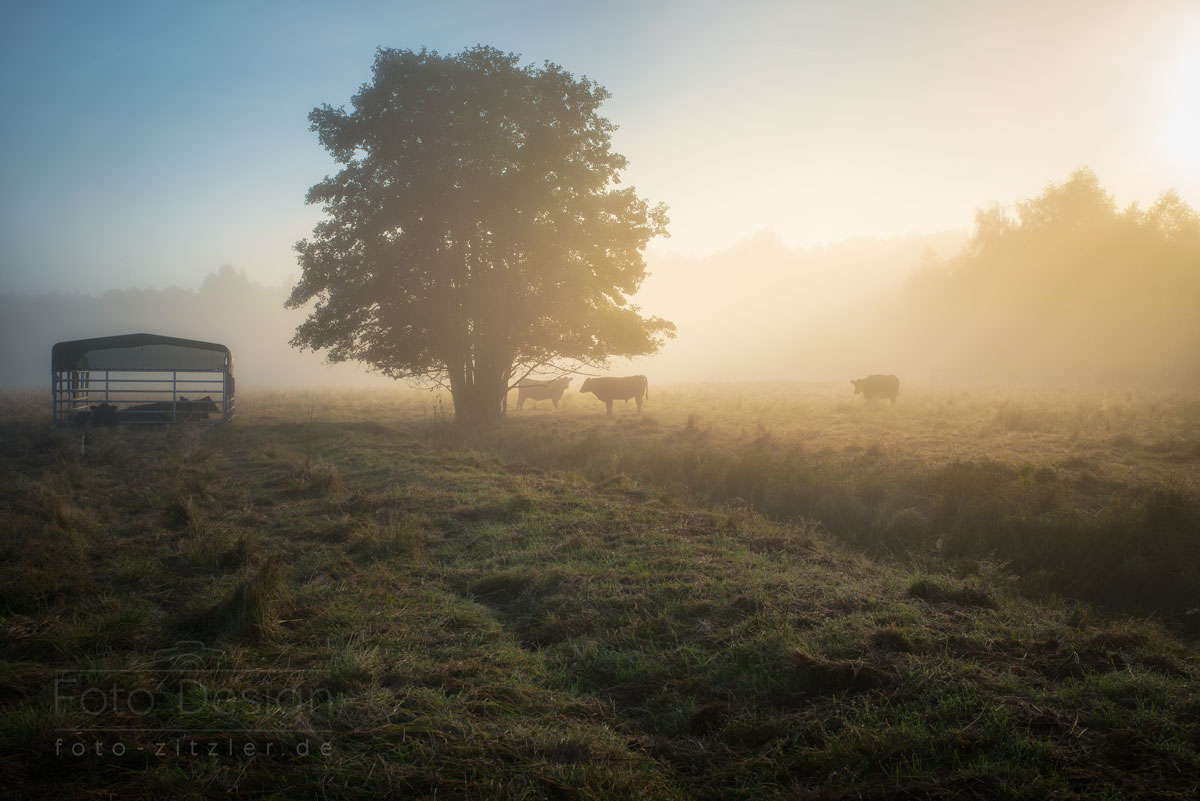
column 1065, row 289
column 746, row 313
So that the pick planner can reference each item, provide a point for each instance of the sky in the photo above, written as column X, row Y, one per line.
column 146, row 144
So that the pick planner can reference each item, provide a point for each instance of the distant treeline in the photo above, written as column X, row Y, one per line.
column 228, row 308
column 1065, row 289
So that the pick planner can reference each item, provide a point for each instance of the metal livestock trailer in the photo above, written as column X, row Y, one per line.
column 141, row 376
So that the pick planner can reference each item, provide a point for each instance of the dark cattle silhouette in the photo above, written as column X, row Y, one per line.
column 611, row 389
column 196, row 409
column 201, row 407
column 166, row 411
column 877, row 386
column 103, row 415
column 528, row 389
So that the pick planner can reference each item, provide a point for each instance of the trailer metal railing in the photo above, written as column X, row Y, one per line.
column 143, row 396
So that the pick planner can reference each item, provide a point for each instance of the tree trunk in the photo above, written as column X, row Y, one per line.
column 458, row 392
column 480, row 403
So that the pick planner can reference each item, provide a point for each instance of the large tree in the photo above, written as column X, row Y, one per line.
column 476, row 231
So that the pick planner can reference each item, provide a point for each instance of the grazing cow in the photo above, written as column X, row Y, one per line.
column 103, row 415
column 542, row 390
column 877, row 386
column 611, row 389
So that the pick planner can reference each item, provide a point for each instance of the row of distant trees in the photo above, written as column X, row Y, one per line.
column 1063, row 288
column 228, row 307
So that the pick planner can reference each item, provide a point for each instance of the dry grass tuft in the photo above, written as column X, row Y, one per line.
column 251, row 613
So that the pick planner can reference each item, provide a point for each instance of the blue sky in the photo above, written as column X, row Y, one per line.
column 146, row 144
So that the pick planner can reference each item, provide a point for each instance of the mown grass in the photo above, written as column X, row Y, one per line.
column 535, row 613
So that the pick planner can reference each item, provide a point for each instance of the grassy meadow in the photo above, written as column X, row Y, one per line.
column 752, row 591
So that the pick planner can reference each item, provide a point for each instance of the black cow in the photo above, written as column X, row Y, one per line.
column 103, row 415
column 167, row 411
column 200, row 408
column 611, row 389
column 877, row 386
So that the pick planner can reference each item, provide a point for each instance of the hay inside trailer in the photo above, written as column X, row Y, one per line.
column 141, row 379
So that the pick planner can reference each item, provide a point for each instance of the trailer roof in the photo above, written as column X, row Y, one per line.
column 140, row 352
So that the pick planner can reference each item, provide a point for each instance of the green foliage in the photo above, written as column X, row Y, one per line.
column 475, row 230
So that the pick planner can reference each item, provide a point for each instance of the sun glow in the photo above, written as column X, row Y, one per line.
column 1181, row 128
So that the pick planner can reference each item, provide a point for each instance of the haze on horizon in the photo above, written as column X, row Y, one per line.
column 828, row 151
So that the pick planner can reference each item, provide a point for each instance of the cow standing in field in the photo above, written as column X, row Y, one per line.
column 877, row 386
column 611, row 389
column 528, row 389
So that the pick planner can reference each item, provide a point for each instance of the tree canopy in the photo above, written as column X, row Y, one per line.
column 1066, row 287
column 477, row 230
